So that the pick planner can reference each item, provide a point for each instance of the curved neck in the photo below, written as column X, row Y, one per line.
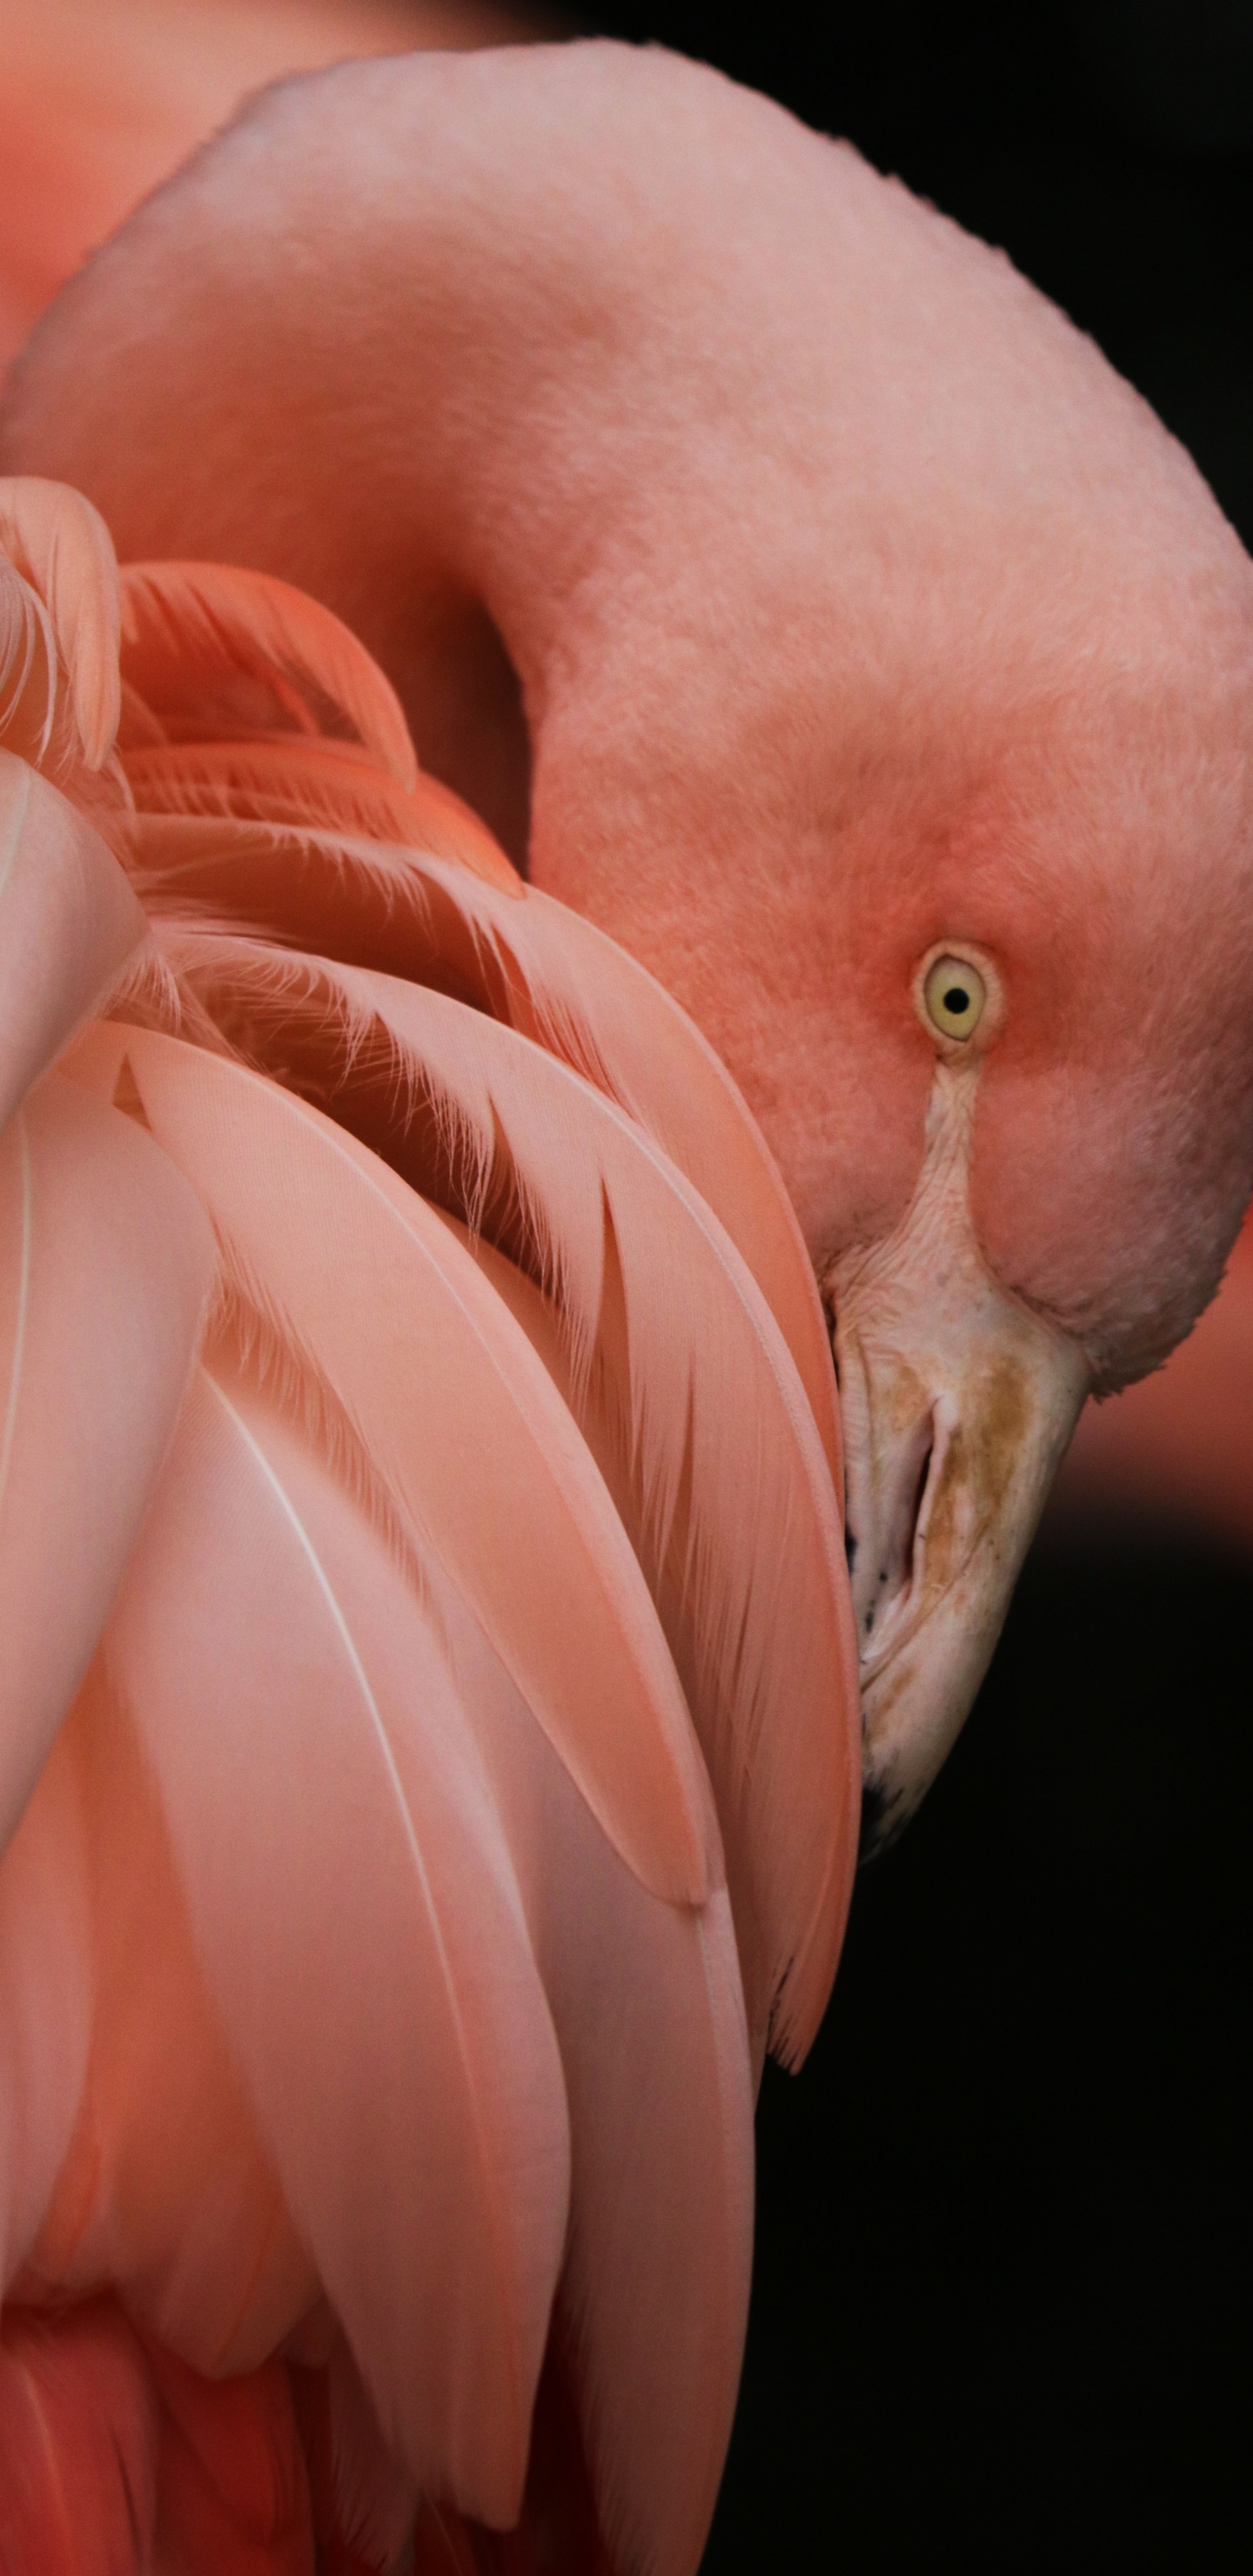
column 451, row 350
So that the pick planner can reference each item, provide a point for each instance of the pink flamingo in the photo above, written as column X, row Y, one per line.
column 820, row 619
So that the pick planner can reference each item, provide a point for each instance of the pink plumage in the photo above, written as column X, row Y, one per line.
column 437, row 1781
column 433, row 1389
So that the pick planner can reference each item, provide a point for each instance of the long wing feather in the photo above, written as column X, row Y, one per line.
column 353, row 1903
column 646, row 2003
column 465, row 1428
column 69, row 922
column 536, row 966
column 105, row 1262
column 677, row 1371
column 409, row 2006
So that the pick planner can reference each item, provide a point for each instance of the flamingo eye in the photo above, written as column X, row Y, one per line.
column 954, row 997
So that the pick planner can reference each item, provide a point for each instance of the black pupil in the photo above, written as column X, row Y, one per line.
column 956, row 999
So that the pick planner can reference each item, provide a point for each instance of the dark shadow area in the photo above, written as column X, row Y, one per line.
column 999, row 2300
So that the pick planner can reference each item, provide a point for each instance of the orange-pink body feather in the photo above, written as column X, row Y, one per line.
column 387, row 1355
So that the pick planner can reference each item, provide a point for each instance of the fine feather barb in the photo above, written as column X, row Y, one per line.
column 329, row 786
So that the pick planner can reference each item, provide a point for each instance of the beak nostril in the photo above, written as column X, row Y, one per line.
column 885, row 1558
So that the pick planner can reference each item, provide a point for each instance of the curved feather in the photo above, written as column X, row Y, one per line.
column 105, row 1262
column 324, row 785
column 28, row 667
column 69, row 923
column 215, row 652
column 353, row 1904
column 677, row 1372
column 60, row 547
column 646, row 2003
column 465, row 1428
column 538, row 967
column 648, row 2014
column 165, row 2190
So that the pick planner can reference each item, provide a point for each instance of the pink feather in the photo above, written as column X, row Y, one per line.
column 536, row 965
column 105, row 1262
column 673, row 1355
column 352, row 1901
column 647, row 2008
column 219, row 654
column 69, row 924
column 61, row 552
column 478, row 1450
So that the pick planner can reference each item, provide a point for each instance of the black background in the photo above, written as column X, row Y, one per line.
column 999, row 2297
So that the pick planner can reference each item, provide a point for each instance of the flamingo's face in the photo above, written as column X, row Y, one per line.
column 1081, row 1053
column 988, row 990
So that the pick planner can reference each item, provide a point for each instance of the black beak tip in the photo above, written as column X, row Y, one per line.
column 884, row 1816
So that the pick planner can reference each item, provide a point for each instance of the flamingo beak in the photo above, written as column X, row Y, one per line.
column 958, row 1403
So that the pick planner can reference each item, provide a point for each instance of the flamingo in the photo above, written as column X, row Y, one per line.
column 861, row 675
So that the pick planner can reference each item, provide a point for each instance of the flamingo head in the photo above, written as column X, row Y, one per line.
column 981, row 957
column 887, row 676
